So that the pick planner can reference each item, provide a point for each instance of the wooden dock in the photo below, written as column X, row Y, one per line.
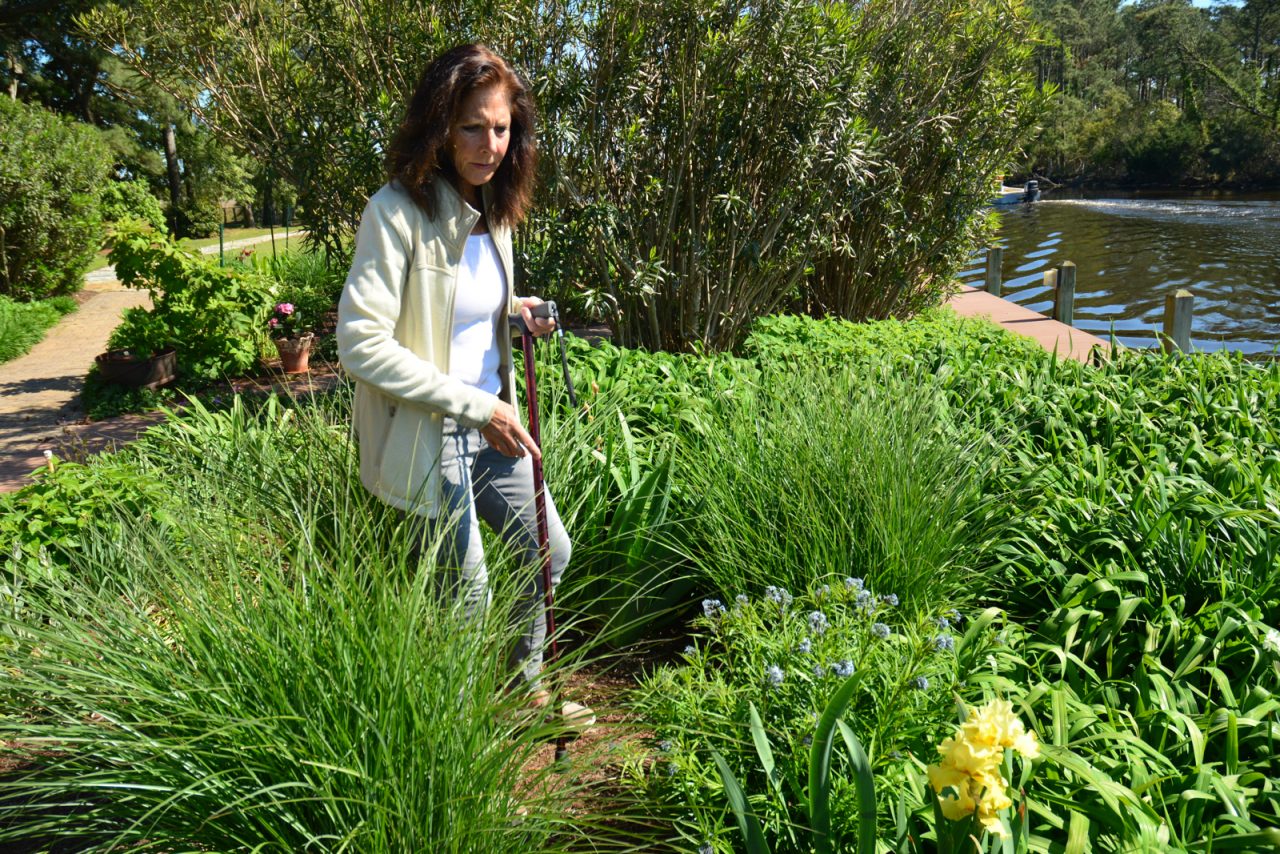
column 1067, row 341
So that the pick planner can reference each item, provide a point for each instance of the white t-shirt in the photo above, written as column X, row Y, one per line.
column 478, row 312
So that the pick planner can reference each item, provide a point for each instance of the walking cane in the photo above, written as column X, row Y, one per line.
column 546, row 309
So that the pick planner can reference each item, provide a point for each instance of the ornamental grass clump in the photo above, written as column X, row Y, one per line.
column 968, row 779
column 263, row 667
column 820, row 473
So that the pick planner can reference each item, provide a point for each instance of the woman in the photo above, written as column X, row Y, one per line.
column 422, row 328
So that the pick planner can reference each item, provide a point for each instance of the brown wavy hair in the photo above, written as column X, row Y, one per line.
column 419, row 153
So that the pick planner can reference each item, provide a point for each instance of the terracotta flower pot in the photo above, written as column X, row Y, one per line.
column 295, row 353
column 123, row 367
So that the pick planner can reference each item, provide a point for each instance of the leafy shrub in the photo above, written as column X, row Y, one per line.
column 944, row 98
column 52, row 172
column 123, row 200
column 45, row 525
column 199, row 218
column 23, row 324
column 213, row 315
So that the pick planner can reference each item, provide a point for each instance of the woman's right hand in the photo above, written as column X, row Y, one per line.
column 505, row 435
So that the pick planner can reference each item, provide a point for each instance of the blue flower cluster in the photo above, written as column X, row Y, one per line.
column 818, row 623
column 881, row 631
column 843, row 669
column 778, row 595
column 773, row 675
column 712, row 608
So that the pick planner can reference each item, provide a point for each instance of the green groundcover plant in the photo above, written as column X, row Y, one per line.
column 23, row 324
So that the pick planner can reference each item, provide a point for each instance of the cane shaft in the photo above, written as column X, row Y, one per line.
column 539, row 494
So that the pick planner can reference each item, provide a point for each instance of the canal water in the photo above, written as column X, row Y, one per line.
column 1131, row 250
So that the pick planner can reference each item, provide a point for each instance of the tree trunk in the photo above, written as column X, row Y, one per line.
column 175, row 177
column 15, row 71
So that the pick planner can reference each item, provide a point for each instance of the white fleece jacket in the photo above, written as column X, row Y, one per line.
column 395, row 326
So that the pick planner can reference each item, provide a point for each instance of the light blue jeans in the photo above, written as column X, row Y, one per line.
column 477, row 482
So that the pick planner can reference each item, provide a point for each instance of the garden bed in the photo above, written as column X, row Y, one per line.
column 914, row 514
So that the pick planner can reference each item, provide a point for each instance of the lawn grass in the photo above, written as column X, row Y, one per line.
column 23, row 324
column 232, row 234
column 292, row 244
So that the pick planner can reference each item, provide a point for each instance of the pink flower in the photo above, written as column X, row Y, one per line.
column 274, row 323
column 285, row 308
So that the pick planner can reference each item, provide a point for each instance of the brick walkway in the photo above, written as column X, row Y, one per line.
column 39, row 392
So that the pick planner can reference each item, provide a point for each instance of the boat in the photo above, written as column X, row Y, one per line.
column 1018, row 195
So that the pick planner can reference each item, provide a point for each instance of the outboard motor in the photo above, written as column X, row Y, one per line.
column 1031, row 192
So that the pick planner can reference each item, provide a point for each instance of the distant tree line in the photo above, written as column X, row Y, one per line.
column 1158, row 92
column 47, row 60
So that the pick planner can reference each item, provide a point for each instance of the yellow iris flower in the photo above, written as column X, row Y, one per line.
column 968, row 778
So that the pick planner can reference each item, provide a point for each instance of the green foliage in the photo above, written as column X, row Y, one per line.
column 213, row 315
column 263, row 668
column 123, row 200
column 102, row 399
column 948, row 101
column 44, row 526
column 1137, row 552
column 688, row 247
column 1121, row 516
column 1158, row 92
column 762, row 687
column 816, row 799
column 875, row 462
column 23, row 324
column 702, row 159
column 311, row 281
column 1173, row 713
column 52, row 173
column 198, row 218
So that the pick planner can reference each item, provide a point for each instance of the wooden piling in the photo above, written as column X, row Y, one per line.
column 1177, row 321
column 1064, row 296
column 995, row 257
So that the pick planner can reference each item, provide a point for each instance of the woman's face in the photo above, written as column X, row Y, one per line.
column 479, row 138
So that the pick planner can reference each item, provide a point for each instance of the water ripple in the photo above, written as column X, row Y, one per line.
column 1130, row 253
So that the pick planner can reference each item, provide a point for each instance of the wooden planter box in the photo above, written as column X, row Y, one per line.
column 122, row 367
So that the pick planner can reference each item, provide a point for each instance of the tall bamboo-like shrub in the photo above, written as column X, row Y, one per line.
column 698, row 169
column 949, row 102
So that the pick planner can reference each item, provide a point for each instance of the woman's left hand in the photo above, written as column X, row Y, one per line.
column 537, row 325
